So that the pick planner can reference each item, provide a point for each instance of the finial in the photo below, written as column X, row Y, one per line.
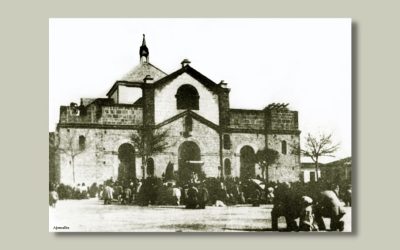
column 185, row 62
column 144, row 51
column 144, row 40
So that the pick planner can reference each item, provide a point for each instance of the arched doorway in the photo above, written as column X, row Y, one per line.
column 127, row 166
column 189, row 161
column 247, row 163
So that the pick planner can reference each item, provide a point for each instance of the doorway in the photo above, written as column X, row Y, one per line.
column 247, row 163
column 127, row 166
column 189, row 161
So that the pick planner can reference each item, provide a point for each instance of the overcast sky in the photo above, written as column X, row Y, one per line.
column 303, row 62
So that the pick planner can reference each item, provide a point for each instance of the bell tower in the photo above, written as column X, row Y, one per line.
column 144, row 52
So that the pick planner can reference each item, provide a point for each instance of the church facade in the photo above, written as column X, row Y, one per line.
column 202, row 133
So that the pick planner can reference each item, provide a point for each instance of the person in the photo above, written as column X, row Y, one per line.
column 222, row 193
column 270, row 195
column 127, row 196
column 53, row 196
column 285, row 204
column 108, row 194
column 306, row 222
column 84, row 191
column 176, row 195
column 328, row 205
column 184, row 194
column 192, row 200
column 77, row 194
column 347, row 196
column 236, row 193
column 100, row 192
column 336, row 189
column 242, row 199
column 141, row 193
column 202, row 196
column 256, row 197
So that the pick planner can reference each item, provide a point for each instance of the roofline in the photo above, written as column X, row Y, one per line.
column 157, row 68
column 123, row 83
column 194, row 115
column 247, row 110
column 132, row 83
column 98, row 126
column 192, row 72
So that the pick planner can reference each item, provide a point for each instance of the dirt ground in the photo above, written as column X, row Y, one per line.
column 92, row 216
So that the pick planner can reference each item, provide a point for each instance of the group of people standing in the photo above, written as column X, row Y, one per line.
column 308, row 202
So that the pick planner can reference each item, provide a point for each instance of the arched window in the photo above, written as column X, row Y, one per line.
column 82, row 142
column 187, row 97
column 227, row 167
column 284, row 147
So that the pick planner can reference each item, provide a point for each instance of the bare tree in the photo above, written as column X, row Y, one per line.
column 73, row 146
column 318, row 146
column 266, row 157
column 149, row 142
column 53, row 166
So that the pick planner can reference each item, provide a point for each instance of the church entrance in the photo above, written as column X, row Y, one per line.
column 127, row 166
column 189, row 162
column 247, row 163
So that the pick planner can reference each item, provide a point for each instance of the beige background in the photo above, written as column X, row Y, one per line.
column 24, row 133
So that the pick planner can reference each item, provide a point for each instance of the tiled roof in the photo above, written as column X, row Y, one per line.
column 138, row 73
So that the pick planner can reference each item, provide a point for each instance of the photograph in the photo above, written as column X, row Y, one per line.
column 200, row 125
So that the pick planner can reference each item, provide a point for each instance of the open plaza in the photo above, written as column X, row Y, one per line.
column 91, row 215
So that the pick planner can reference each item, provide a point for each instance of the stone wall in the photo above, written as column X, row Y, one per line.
column 248, row 119
column 239, row 140
column 282, row 119
column 104, row 114
column 121, row 115
column 99, row 161
column 287, row 167
column 72, row 115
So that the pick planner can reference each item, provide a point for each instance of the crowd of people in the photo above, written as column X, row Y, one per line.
column 194, row 193
column 309, row 202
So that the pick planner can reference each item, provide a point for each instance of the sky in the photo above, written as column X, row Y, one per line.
column 303, row 62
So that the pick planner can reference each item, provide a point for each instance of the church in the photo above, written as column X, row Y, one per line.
column 190, row 114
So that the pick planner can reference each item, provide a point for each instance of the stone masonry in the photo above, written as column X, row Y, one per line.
column 90, row 135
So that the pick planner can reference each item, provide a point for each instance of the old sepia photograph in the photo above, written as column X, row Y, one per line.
column 200, row 125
